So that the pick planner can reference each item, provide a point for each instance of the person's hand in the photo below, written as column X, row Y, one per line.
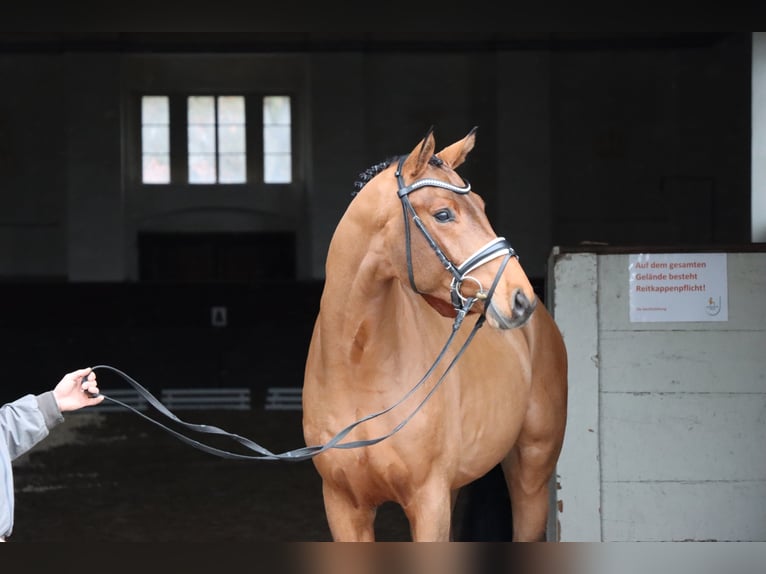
column 77, row 389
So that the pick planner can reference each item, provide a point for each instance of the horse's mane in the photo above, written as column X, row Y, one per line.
column 374, row 170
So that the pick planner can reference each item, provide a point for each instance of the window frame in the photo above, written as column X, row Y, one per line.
column 254, row 147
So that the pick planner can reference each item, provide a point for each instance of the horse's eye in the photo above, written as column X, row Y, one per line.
column 444, row 215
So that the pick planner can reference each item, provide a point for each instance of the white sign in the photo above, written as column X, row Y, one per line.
column 678, row 287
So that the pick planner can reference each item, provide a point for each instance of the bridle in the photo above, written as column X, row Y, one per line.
column 495, row 248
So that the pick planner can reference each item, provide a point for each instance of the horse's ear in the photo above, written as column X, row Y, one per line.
column 419, row 157
column 455, row 154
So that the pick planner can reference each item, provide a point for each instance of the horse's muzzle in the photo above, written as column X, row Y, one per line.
column 521, row 309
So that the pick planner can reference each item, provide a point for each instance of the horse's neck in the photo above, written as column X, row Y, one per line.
column 367, row 303
column 368, row 310
column 368, row 316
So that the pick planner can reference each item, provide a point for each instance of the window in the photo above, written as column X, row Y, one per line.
column 216, row 139
column 277, row 148
column 212, row 143
column 155, row 139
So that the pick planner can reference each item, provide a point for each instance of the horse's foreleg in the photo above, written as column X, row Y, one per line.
column 527, row 472
column 430, row 515
column 348, row 522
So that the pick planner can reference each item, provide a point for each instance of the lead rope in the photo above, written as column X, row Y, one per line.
column 307, row 452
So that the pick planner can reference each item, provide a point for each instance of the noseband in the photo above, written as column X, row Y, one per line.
column 495, row 248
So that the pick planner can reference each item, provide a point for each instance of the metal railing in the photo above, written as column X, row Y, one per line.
column 284, row 399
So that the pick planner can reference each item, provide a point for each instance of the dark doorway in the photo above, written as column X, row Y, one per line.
column 217, row 257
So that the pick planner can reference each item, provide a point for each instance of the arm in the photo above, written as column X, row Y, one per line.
column 28, row 420
column 23, row 424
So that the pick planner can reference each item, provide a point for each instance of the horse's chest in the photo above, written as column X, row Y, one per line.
column 389, row 472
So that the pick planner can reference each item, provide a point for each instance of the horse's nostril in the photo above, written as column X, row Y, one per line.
column 520, row 303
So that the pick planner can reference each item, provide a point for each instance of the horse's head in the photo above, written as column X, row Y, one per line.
column 449, row 252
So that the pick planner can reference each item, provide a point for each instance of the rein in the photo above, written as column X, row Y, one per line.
column 495, row 248
column 298, row 454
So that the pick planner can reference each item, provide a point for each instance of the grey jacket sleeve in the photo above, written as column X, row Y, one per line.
column 47, row 404
column 27, row 421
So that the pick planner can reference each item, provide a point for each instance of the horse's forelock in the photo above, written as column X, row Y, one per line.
column 365, row 176
column 436, row 161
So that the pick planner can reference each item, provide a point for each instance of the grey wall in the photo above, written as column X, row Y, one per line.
column 626, row 146
column 33, row 175
column 665, row 429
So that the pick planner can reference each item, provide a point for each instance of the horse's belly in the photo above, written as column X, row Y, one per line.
column 494, row 394
column 483, row 447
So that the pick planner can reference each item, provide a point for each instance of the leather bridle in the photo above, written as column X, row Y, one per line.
column 495, row 248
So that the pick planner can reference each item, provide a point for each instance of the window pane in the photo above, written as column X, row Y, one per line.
column 155, row 139
column 201, row 139
column 156, row 168
column 276, row 110
column 277, row 168
column 202, row 168
column 231, row 110
column 231, row 139
column 233, row 168
column 201, row 110
column 154, row 110
column 276, row 139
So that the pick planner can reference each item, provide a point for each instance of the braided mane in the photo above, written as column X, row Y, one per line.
column 374, row 170
column 369, row 173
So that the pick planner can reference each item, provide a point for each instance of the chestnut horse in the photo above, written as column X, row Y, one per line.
column 396, row 289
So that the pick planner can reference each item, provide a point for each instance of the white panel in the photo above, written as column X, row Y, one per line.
column 681, row 409
column 707, row 437
column 672, row 361
column 688, row 511
column 575, row 309
column 746, row 286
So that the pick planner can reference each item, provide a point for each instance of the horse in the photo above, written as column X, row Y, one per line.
column 394, row 292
